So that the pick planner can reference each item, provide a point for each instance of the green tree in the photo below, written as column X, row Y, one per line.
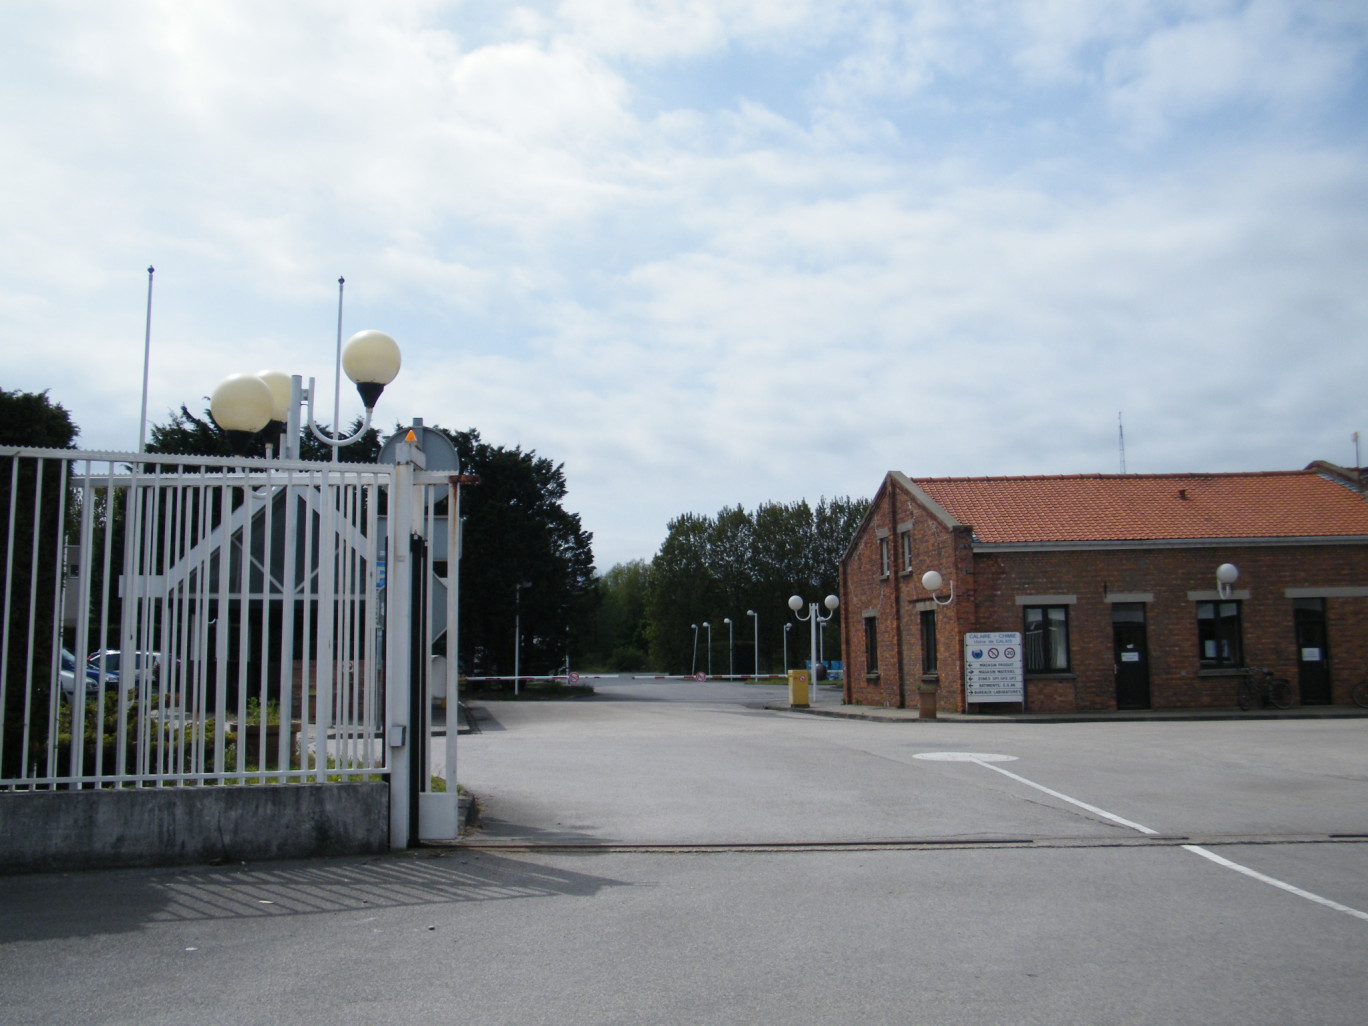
column 683, row 592
column 517, row 530
column 620, row 641
column 30, row 576
column 712, row 568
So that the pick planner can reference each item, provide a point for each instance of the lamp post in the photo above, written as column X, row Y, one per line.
column 731, row 646
column 814, row 617
column 751, row 614
column 709, row 626
column 694, row 670
column 517, row 631
column 787, row 627
column 243, row 404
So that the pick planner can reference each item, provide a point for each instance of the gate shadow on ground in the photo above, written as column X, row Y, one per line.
column 86, row 904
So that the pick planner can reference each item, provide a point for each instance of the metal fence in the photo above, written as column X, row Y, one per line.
column 172, row 621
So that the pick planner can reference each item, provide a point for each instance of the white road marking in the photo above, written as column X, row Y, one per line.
column 1064, row 797
column 1274, row 882
column 987, row 761
column 964, row 757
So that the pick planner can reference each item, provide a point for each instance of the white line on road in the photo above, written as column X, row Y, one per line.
column 1273, row 882
column 1064, row 797
column 1195, row 849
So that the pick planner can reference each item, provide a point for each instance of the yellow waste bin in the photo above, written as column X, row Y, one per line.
column 798, row 687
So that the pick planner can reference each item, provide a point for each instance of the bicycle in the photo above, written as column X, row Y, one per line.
column 1360, row 692
column 1270, row 690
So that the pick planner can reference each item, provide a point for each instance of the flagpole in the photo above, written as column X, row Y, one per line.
column 147, row 359
column 337, row 376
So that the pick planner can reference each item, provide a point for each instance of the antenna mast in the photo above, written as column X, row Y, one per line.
column 1121, row 438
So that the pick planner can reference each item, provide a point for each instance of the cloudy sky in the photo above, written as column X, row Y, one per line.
column 709, row 252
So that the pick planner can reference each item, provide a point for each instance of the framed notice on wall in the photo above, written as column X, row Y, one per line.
column 993, row 667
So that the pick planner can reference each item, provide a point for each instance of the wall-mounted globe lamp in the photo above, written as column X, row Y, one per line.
column 1226, row 575
column 932, row 581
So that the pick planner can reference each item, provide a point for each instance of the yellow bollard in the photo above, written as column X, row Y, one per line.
column 798, row 688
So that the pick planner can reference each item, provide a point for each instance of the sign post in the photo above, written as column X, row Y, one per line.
column 993, row 668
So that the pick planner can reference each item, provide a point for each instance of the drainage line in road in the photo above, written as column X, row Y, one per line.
column 759, row 847
column 905, row 844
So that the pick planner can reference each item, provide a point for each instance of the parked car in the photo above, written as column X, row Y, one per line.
column 68, row 673
column 146, row 666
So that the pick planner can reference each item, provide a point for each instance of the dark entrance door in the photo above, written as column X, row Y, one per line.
column 1131, row 652
column 1313, row 654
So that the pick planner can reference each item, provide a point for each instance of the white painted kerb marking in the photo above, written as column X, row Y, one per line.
column 987, row 761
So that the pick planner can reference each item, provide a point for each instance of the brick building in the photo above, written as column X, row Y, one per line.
column 1111, row 581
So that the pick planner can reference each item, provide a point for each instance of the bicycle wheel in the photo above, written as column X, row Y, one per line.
column 1360, row 694
column 1280, row 693
column 1244, row 694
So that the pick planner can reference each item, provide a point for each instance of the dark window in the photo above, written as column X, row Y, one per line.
column 928, row 640
column 906, row 538
column 883, row 556
column 1219, row 635
column 871, row 625
column 1047, row 638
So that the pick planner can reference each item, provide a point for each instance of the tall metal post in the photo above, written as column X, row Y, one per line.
column 731, row 647
column 755, row 617
column 398, row 653
column 812, row 664
column 147, row 361
column 814, row 618
column 337, row 375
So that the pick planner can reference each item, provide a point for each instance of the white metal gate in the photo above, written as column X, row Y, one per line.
column 224, row 621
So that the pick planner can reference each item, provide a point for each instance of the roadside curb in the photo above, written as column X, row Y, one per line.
column 879, row 714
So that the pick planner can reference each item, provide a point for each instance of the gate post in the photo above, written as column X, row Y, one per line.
column 399, row 730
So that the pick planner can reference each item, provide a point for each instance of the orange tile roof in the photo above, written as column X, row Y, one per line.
column 1151, row 507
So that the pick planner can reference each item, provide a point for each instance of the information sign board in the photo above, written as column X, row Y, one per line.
column 993, row 667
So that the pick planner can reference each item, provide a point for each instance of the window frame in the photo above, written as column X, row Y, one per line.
column 1047, row 647
column 905, row 539
column 871, row 626
column 1236, row 659
column 884, row 558
column 930, row 655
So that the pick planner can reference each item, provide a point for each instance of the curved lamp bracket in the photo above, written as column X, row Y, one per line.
column 932, row 581
column 338, row 441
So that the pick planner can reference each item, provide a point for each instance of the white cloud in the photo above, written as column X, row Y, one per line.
column 1267, row 52
column 654, row 30
column 732, row 296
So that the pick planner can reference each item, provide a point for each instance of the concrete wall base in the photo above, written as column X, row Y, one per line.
column 59, row 830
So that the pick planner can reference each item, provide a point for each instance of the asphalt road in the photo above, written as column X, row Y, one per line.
column 670, row 852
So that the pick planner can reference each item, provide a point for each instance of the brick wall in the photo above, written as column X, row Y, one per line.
column 896, row 600
column 1170, row 575
column 988, row 583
